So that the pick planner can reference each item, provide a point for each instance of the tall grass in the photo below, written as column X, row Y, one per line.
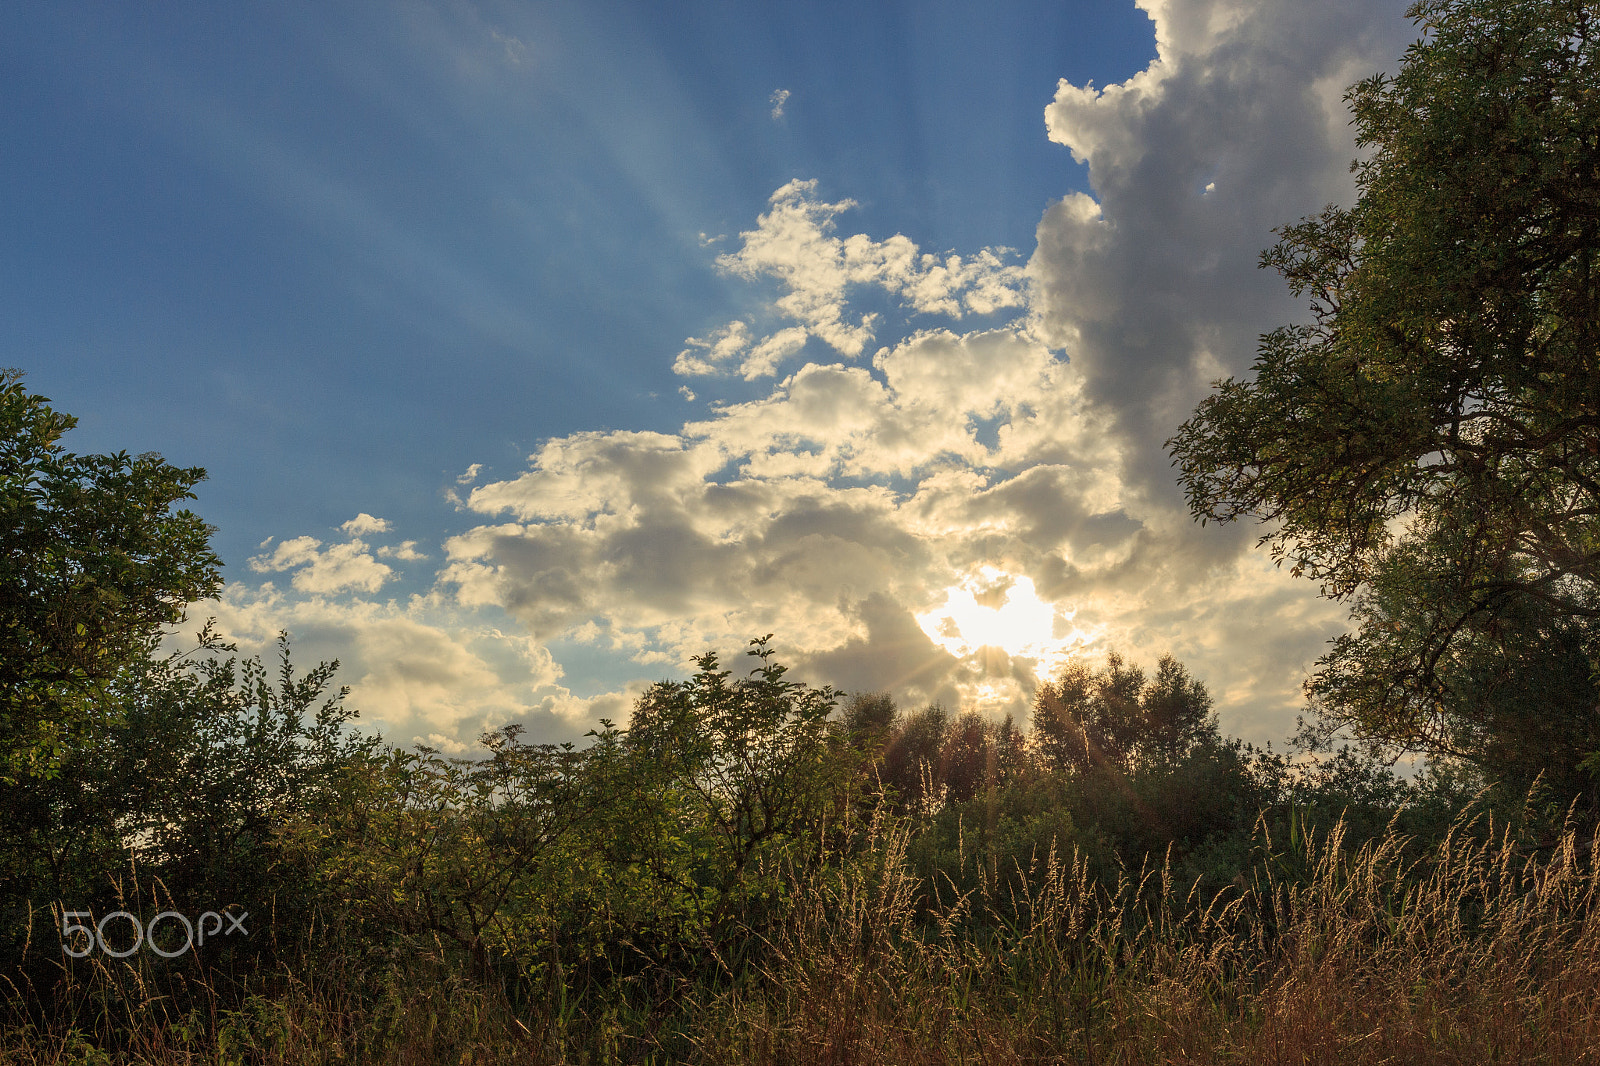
column 1476, row 950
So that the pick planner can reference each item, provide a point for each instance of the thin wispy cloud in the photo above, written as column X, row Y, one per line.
column 513, row 48
column 777, row 100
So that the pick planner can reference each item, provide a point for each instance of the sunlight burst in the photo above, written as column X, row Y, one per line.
column 994, row 609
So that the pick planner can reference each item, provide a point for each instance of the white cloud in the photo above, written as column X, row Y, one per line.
column 848, row 502
column 406, row 552
column 338, row 568
column 846, row 507
column 764, row 358
column 439, row 742
column 1151, row 284
column 288, row 554
column 711, row 353
column 515, row 50
column 415, row 669
column 349, row 567
column 778, row 99
column 364, row 524
column 794, row 243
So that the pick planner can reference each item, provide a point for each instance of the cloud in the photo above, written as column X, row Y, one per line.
column 418, row 670
column 364, row 524
column 406, row 552
column 349, row 567
column 763, row 359
column 794, row 243
column 340, row 567
column 849, row 511
column 870, row 511
column 1237, row 127
column 852, row 504
column 778, row 99
column 709, row 354
column 515, row 50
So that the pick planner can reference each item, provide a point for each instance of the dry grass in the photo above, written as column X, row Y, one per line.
column 1478, row 952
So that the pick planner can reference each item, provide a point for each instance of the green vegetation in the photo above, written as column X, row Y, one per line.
column 1429, row 447
column 92, row 565
column 735, row 878
column 202, row 861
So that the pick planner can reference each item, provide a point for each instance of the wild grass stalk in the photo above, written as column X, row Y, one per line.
column 1480, row 952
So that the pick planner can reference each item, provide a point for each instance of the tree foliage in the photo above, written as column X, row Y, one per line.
column 1428, row 447
column 94, row 561
column 718, row 782
column 602, row 892
column 119, row 762
column 1116, row 717
column 474, row 853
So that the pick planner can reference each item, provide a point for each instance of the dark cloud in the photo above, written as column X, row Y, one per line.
column 1158, row 293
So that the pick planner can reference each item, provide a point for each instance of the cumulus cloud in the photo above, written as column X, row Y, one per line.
column 853, row 507
column 708, row 354
column 854, row 513
column 349, row 567
column 364, row 524
column 778, row 99
column 951, row 517
column 1237, row 127
column 795, row 244
column 319, row 570
column 418, row 670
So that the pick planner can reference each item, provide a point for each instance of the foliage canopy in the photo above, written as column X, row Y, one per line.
column 1428, row 447
column 94, row 561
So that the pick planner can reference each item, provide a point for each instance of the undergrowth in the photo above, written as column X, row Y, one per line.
column 1475, row 950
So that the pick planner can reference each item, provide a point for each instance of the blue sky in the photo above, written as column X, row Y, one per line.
column 534, row 347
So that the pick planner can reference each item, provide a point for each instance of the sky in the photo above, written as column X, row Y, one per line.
column 534, row 348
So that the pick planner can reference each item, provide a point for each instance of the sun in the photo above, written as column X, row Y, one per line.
column 994, row 609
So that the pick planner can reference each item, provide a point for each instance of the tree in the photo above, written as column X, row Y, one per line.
column 1061, row 719
column 94, row 562
column 1518, row 684
column 967, row 759
column 473, row 854
column 1175, row 710
column 732, row 773
column 911, row 759
column 1428, row 447
column 1116, row 718
column 868, row 717
column 206, row 760
column 213, row 757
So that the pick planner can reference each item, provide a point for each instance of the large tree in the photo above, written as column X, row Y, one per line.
column 1428, row 446
column 95, row 559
